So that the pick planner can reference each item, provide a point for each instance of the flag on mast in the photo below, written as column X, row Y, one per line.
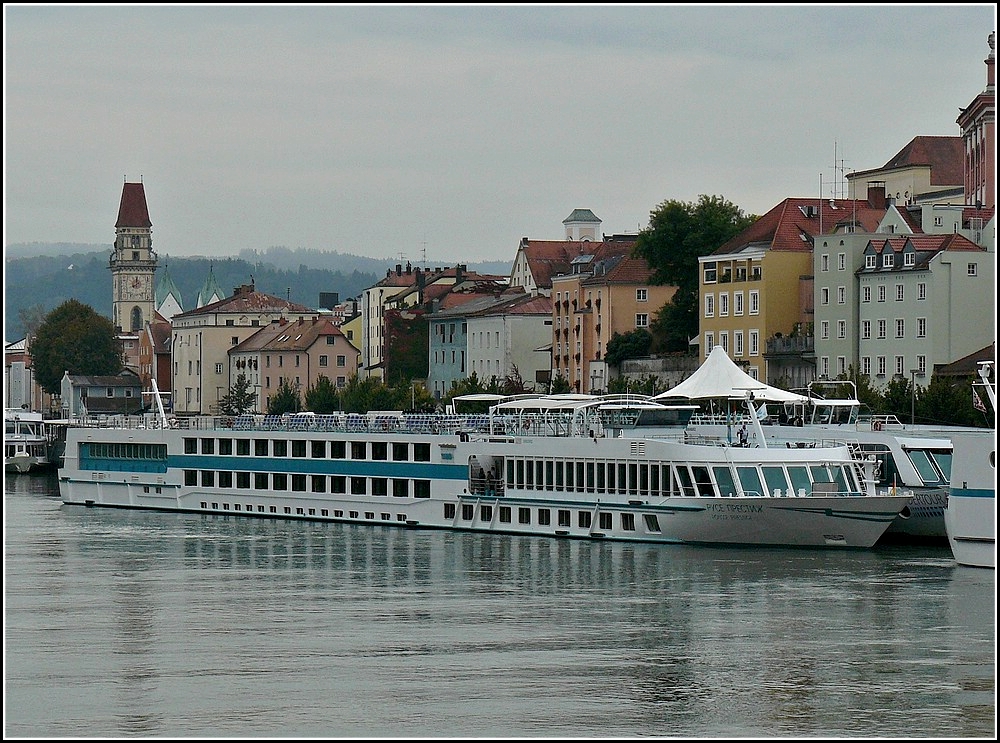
column 977, row 402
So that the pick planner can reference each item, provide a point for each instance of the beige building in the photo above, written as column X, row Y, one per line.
column 298, row 352
column 203, row 338
column 600, row 296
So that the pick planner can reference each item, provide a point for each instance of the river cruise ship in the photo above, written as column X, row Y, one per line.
column 557, row 466
column 25, row 441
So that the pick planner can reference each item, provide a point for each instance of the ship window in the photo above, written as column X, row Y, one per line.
column 279, row 447
column 338, row 484
column 380, row 450
column 243, row 447
column 208, row 446
column 584, row 519
column 299, row 483
column 225, row 479
column 468, row 511
column 724, row 478
column 486, row 513
column 399, row 452
column 359, row 450
column 190, row 446
column 524, row 515
column 243, row 480
column 400, row 488
column 544, row 517
column 750, row 481
column 272, row 509
column 260, row 480
column 929, row 474
column 353, row 514
column 279, row 481
column 338, row 514
column 421, row 488
column 318, row 450
column 319, row 483
column 260, row 447
column 628, row 521
column 386, row 516
column 604, row 519
column 564, row 517
column 685, row 485
column 338, row 450
column 800, row 478
column 358, row 486
column 703, row 482
column 299, row 448
column 652, row 523
column 529, row 474
column 449, row 510
column 421, row 452
column 380, row 486
column 225, row 447
column 190, row 477
column 548, row 474
column 775, row 479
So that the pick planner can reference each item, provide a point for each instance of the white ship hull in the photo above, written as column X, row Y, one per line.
column 552, row 485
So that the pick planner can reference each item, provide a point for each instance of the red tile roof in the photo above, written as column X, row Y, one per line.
column 132, row 212
column 944, row 155
column 785, row 226
column 548, row 258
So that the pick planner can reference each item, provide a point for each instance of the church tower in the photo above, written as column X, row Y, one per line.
column 133, row 263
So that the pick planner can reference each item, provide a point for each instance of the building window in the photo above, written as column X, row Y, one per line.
column 710, row 273
column 754, row 342
column 971, row 270
column 641, row 320
column 324, row 360
column 921, row 327
column 881, row 329
column 866, row 294
column 641, row 295
column 738, row 343
column 218, row 368
column 866, row 366
column 870, row 261
column 824, row 330
column 880, row 365
column 737, row 303
column 899, row 366
column 723, row 304
column 921, row 364
column 887, row 259
column 921, row 291
column 709, row 305
column 824, row 262
column 841, row 295
column 824, row 296
column 881, row 293
column 709, row 343
column 754, row 302
column 866, row 329
column 909, row 259
column 900, row 328
column 724, row 340
column 841, row 328
column 899, row 292
column 841, row 261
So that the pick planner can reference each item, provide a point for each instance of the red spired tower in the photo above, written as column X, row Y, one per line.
column 132, row 263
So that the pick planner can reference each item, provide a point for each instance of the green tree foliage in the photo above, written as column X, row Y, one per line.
column 646, row 385
column 560, row 385
column 632, row 345
column 407, row 336
column 323, row 396
column 240, row 399
column 514, row 384
column 361, row 395
column 678, row 234
column 74, row 338
column 947, row 402
column 896, row 399
column 284, row 400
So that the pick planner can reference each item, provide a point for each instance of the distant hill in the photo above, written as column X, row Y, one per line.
column 48, row 274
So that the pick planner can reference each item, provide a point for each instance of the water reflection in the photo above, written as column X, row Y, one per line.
column 134, row 623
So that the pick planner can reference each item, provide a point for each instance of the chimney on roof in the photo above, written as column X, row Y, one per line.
column 409, row 268
column 876, row 195
column 399, row 269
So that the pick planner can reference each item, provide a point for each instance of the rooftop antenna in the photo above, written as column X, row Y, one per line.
column 839, row 174
column 423, row 252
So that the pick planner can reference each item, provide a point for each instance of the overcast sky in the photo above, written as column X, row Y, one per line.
column 451, row 132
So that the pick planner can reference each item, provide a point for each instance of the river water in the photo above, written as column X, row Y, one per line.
column 138, row 624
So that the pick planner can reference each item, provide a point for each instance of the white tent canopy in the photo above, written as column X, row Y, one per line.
column 720, row 377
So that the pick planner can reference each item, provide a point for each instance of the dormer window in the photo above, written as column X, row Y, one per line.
column 887, row 260
column 870, row 261
column 909, row 259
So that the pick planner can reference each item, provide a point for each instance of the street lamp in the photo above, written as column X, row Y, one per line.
column 913, row 395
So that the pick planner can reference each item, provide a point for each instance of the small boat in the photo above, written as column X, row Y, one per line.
column 971, row 515
column 559, row 466
column 25, row 441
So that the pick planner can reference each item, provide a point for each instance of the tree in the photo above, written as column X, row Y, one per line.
column 513, row 383
column 74, row 338
column 240, row 399
column 560, row 385
column 632, row 345
column 31, row 318
column 323, row 396
column 284, row 400
column 678, row 234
